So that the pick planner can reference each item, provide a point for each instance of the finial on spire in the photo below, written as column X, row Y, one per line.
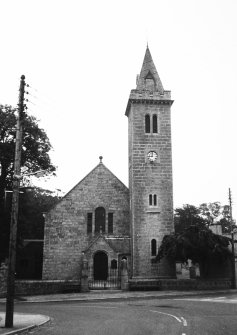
column 101, row 157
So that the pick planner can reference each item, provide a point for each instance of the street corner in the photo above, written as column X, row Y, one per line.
column 22, row 322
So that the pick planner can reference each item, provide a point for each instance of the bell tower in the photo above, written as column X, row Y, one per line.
column 150, row 171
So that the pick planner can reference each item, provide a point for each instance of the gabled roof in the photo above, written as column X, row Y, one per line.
column 149, row 71
column 101, row 168
column 118, row 245
column 99, row 237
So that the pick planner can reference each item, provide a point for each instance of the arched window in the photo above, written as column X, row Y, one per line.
column 147, row 124
column 153, row 247
column 154, row 124
column 100, row 220
column 155, row 199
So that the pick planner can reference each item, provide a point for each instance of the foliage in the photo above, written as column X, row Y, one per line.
column 33, row 203
column 203, row 216
column 35, row 147
column 187, row 216
column 210, row 211
column 197, row 243
column 34, row 157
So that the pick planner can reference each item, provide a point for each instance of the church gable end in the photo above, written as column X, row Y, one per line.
column 99, row 204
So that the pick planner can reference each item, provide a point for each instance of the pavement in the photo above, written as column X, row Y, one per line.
column 23, row 322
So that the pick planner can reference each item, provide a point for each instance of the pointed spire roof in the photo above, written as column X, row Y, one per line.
column 149, row 71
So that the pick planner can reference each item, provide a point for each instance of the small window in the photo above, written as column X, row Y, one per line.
column 154, row 124
column 150, row 199
column 114, row 264
column 89, row 223
column 110, row 223
column 153, row 247
column 147, row 124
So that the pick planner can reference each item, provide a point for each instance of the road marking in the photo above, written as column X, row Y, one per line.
column 181, row 319
column 173, row 316
column 184, row 321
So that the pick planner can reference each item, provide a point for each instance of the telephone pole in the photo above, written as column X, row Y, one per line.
column 232, row 243
column 14, row 212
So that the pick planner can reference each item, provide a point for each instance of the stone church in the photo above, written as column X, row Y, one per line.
column 103, row 221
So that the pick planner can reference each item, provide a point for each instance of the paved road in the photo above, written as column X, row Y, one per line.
column 195, row 315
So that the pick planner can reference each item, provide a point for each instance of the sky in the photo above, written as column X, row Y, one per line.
column 81, row 58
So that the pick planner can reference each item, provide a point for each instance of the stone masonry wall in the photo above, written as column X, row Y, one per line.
column 150, row 222
column 66, row 224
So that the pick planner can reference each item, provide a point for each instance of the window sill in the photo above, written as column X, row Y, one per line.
column 153, row 210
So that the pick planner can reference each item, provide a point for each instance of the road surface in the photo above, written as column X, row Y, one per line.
column 206, row 315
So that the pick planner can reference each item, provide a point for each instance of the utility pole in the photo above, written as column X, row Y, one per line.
column 232, row 243
column 14, row 212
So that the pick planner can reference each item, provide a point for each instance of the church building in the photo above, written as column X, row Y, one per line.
column 101, row 220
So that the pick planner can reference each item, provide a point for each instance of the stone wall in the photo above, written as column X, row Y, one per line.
column 181, row 284
column 37, row 287
column 145, row 178
column 66, row 235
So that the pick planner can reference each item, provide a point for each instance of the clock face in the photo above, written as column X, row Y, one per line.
column 152, row 156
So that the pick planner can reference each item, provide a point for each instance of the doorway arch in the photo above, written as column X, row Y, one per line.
column 100, row 266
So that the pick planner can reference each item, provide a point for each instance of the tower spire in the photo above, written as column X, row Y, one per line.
column 149, row 78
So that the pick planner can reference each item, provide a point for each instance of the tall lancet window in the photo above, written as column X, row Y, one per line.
column 100, row 220
column 153, row 247
column 147, row 124
column 154, row 124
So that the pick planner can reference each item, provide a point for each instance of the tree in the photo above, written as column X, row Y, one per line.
column 210, row 212
column 225, row 221
column 34, row 203
column 205, row 215
column 197, row 243
column 215, row 213
column 35, row 157
column 35, row 148
column 187, row 216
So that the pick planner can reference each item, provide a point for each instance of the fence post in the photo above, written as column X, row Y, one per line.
column 84, row 275
column 124, row 275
